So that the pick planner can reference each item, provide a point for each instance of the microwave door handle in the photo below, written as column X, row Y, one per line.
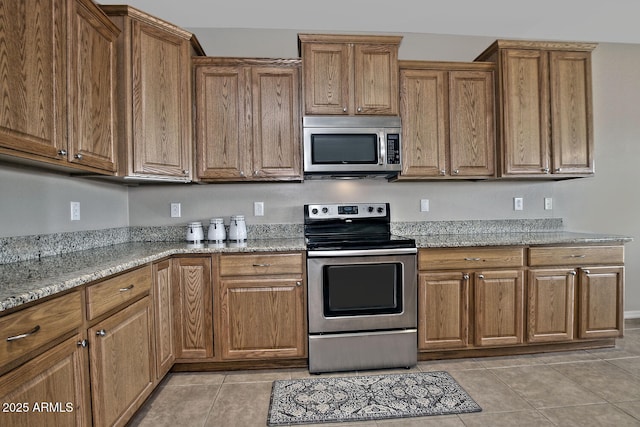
column 382, row 149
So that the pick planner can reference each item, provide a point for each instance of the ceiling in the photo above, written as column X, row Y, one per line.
column 615, row 21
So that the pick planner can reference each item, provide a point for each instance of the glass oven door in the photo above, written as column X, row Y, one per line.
column 358, row 293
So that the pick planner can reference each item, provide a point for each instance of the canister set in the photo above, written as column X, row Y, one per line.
column 217, row 232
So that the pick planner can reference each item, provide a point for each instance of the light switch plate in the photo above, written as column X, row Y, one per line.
column 176, row 210
column 424, row 205
column 548, row 203
column 75, row 211
column 258, row 208
column 518, row 203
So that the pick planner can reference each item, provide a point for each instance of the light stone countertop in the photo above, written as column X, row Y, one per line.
column 26, row 281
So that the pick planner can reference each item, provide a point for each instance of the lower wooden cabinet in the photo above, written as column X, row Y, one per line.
column 193, row 307
column 499, row 307
column 165, row 353
column 443, row 310
column 600, row 297
column 121, row 363
column 262, row 315
column 463, row 306
column 49, row 390
column 551, row 309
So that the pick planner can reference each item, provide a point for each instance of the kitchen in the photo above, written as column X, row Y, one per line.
column 587, row 204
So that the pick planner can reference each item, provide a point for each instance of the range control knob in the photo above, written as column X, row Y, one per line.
column 325, row 209
column 314, row 211
column 370, row 209
column 380, row 209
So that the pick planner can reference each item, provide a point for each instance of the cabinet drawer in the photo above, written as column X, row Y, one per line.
column 111, row 293
column 258, row 264
column 470, row 258
column 38, row 325
column 576, row 255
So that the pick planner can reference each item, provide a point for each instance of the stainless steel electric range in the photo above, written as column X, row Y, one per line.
column 362, row 290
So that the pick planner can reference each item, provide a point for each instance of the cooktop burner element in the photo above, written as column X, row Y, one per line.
column 351, row 226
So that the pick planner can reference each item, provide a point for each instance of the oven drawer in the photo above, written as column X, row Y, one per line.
column 576, row 255
column 111, row 293
column 28, row 329
column 259, row 264
column 469, row 258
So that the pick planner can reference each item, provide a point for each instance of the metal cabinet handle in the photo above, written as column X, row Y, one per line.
column 185, row 172
column 359, row 109
column 62, row 152
column 545, row 170
column 344, row 109
column 572, row 273
column 101, row 333
column 128, row 288
column 456, row 171
column 298, row 283
column 558, row 170
column 578, row 256
column 83, row 343
column 465, row 276
column 241, row 173
column 78, row 156
column 262, row 265
column 472, row 259
column 26, row 334
column 586, row 271
column 443, row 171
column 480, row 276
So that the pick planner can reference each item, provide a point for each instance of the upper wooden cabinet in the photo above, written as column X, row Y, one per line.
column 545, row 121
column 248, row 119
column 349, row 74
column 448, row 125
column 59, row 77
column 154, row 96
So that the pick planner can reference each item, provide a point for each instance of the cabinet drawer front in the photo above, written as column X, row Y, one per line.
column 576, row 255
column 469, row 258
column 28, row 329
column 257, row 264
column 109, row 294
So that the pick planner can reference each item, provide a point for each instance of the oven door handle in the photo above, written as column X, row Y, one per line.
column 361, row 252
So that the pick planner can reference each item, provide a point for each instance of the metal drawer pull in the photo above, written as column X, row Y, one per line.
column 480, row 276
column 128, row 288
column 573, row 273
column 26, row 334
column 262, row 265
column 472, row 259
column 298, row 283
column 586, row 271
column 465, row 276
column 578, row 256
column 101, row 333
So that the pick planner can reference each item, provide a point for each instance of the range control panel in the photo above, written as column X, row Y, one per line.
column 350, row 210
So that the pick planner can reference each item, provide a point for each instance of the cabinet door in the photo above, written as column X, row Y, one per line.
column 525, row 103
column 276, row 122
column 57, row 379
column 327, row 78
column 161, row 102
column 262, row 318
column 223, row 122
column 92, row 60
column 499, row 307
column 122, row 364
column 163, row 314
column 443, row 311
column 571, row 112
column 424, row 123
column 193, row 307
column 551, row 302
column 601, row 302
column 375, row 79
column 32, row 108
column 471, row 123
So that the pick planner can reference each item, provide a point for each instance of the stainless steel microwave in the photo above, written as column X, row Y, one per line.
column 358, row 146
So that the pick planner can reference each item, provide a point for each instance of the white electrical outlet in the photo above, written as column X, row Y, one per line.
column 548, row 203
column 75, row 211
column 176, row 210
column 258, row 208
column 518, row 203
column 424, row 205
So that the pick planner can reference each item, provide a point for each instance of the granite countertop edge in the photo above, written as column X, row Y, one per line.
column 28, row 281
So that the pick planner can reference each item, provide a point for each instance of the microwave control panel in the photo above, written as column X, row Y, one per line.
column 393, row 148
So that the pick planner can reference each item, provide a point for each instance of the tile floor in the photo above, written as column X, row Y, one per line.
column 578, row 388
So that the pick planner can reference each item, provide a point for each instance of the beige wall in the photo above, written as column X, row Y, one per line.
column 38, row 202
